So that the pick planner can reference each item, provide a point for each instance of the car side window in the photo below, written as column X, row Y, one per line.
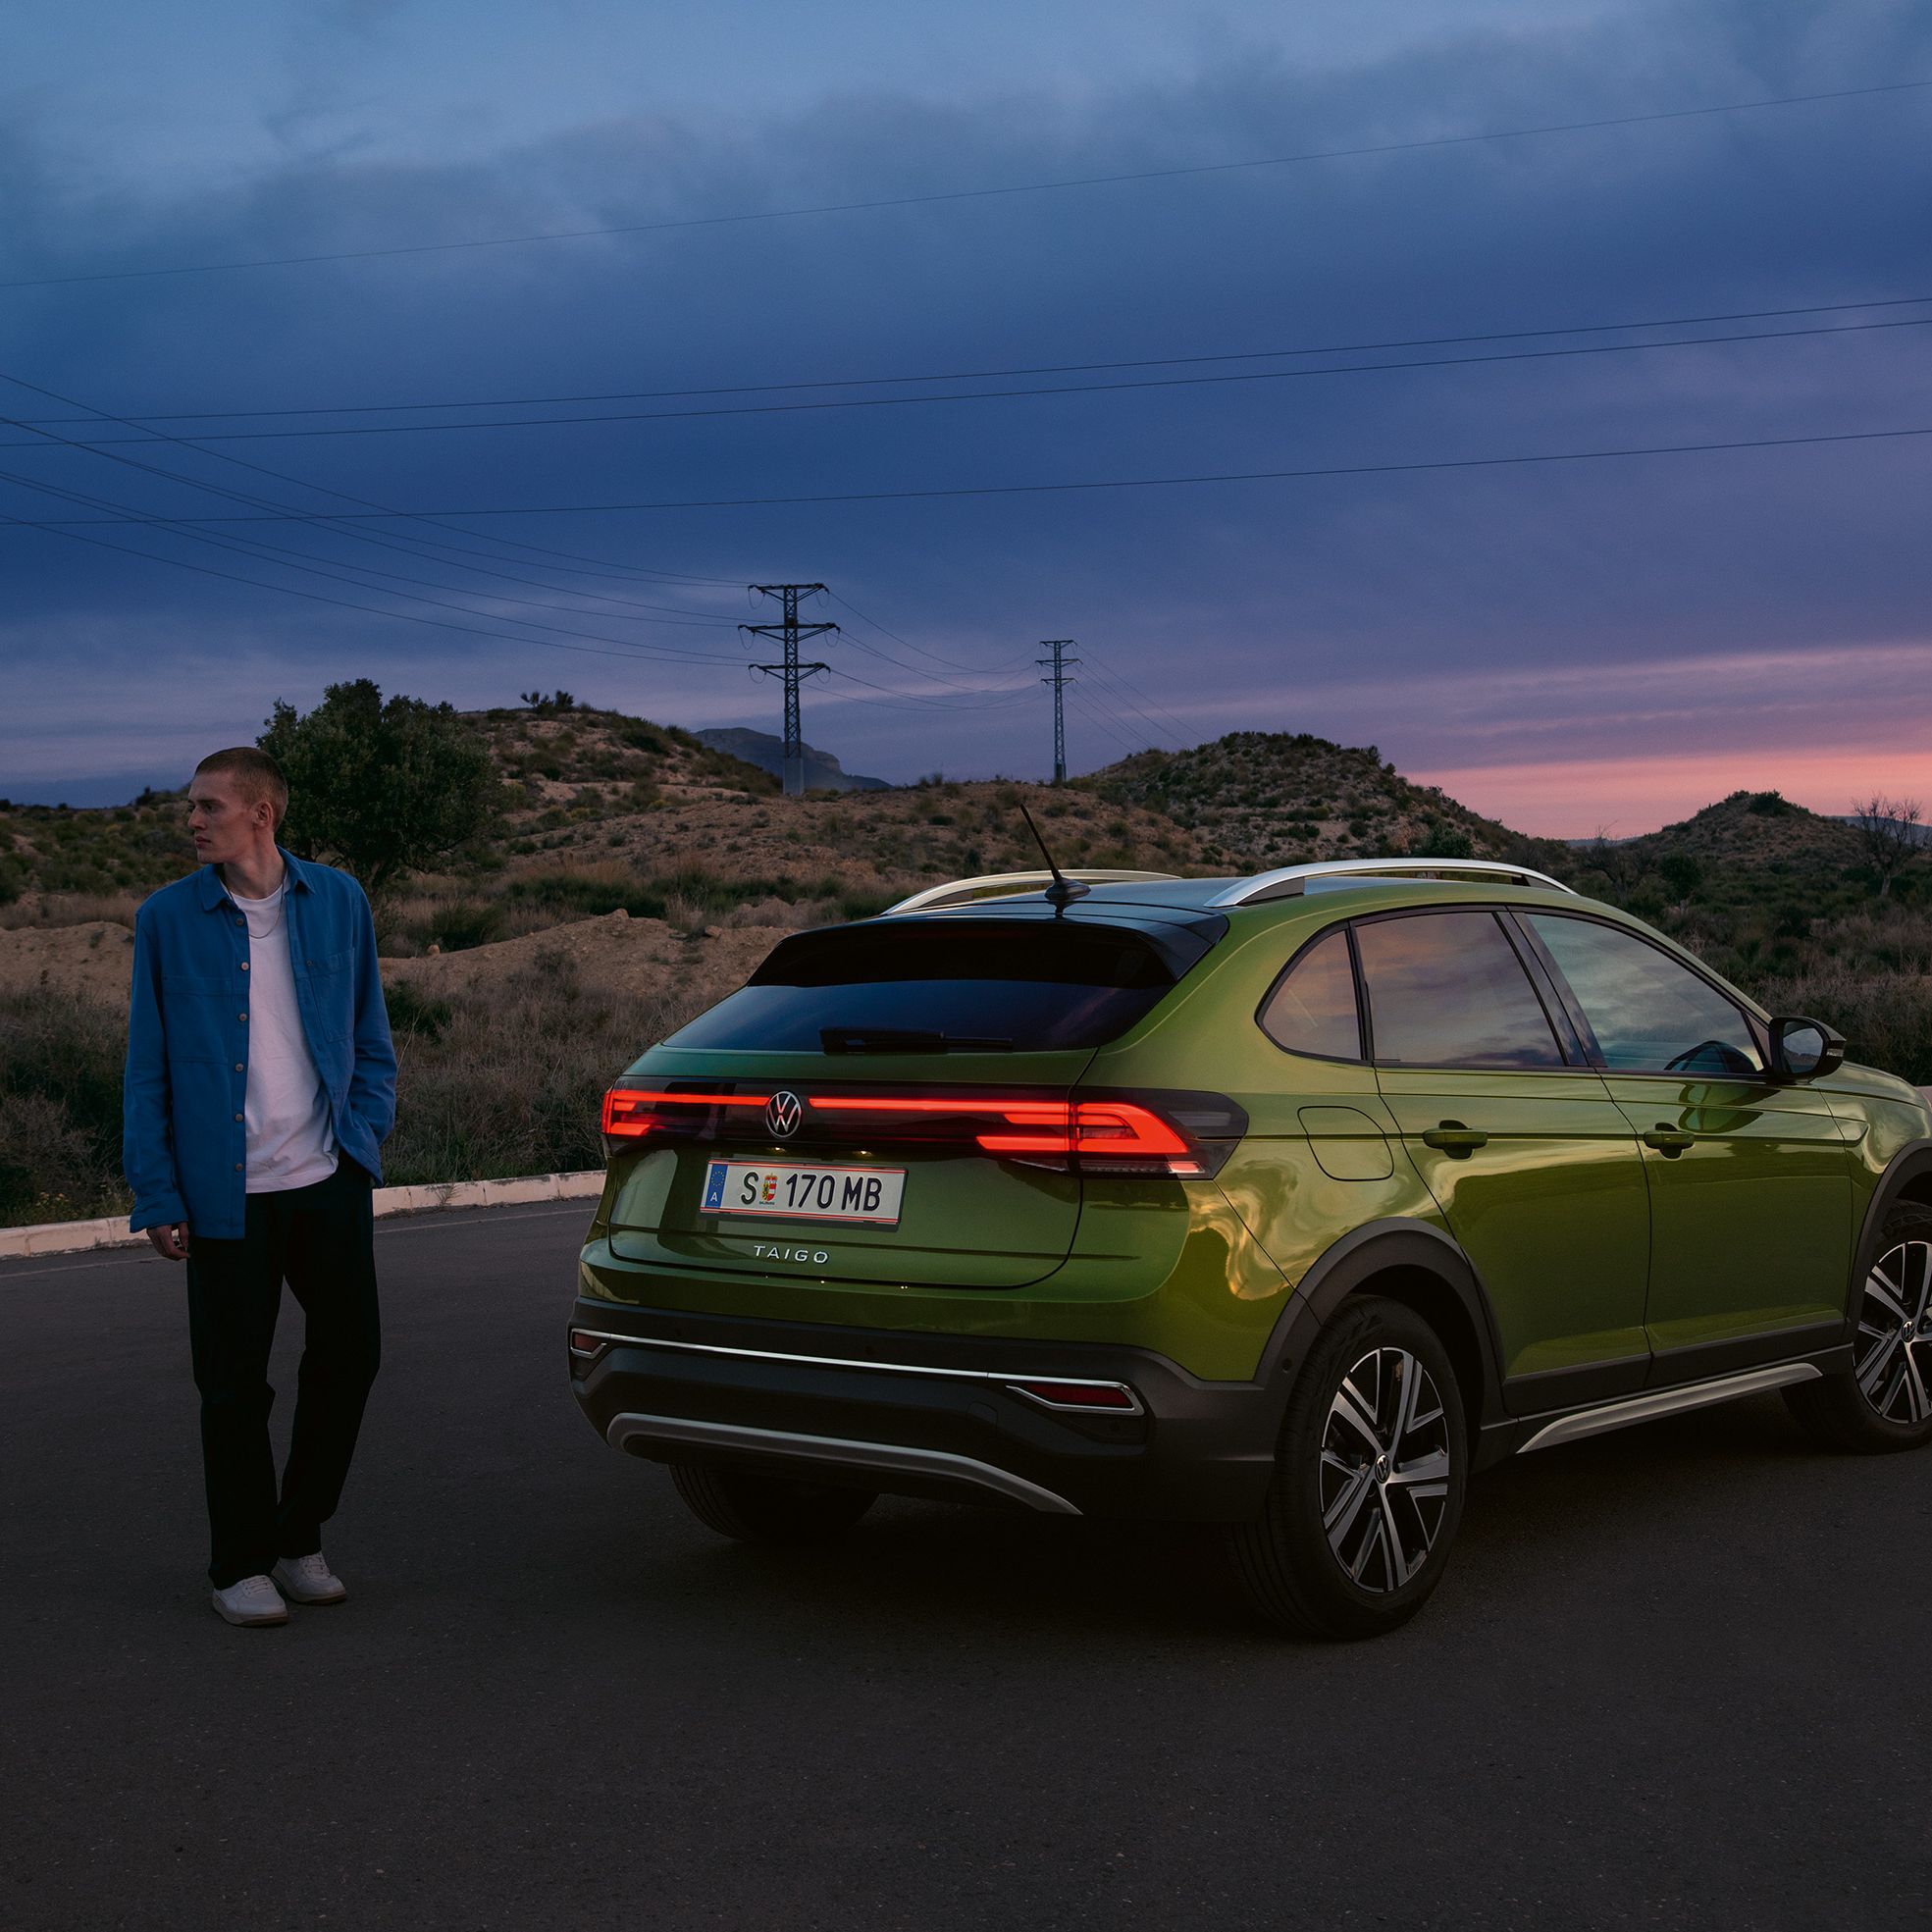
column 1446, row 989
column 1649, row 1013
column 1311, row 1008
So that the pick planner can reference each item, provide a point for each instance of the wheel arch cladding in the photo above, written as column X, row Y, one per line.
column 1907, row 1176
column 1422, row 1268
column 1438, row 1304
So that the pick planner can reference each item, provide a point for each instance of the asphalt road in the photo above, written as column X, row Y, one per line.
column 1675, row 1677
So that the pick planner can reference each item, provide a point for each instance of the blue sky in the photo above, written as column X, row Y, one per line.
column 1570, row 646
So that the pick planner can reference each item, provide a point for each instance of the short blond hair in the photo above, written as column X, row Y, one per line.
column 256, row 776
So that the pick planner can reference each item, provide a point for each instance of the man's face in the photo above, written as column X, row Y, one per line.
column 223, row 824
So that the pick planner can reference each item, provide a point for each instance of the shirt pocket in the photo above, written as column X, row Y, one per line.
column 332, row 990
column 198, row 1016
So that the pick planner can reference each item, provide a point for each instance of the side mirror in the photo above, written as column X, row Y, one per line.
column 1804, row 1049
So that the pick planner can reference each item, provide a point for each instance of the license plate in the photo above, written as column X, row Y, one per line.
column 788, row 1193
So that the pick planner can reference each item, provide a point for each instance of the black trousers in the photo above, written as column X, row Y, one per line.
column 322, row 1241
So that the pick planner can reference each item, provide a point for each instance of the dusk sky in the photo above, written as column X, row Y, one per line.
column 1604, row 643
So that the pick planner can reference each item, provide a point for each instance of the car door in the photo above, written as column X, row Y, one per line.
column 1750, row 1178
column 1535, row 1170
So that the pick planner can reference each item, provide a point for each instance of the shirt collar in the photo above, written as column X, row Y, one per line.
column 214, row 893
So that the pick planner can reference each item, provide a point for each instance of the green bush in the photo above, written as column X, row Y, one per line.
column 465, row 922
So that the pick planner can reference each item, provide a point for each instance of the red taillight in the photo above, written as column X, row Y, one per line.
column 1099, row 1134
column 630, row 1113
column 584, row 1342
column 1164, row 1133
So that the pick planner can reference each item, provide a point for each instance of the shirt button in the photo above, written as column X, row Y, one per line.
column 245, row 966
column 238, row 1117
column 242, row 1015
column 237, row 1167
column 238, row 1068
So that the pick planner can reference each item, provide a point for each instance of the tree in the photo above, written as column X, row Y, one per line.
column 385, row 788
column 1891, row 833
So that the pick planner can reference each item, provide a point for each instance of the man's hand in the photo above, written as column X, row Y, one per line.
column 171, row 1243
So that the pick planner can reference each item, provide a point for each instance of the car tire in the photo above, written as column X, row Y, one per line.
column 1370, row 1471
column 1883, row 1402
column 777, row 1510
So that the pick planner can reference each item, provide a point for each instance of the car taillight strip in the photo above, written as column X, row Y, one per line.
column 1121, row 1134
column 627, row 1110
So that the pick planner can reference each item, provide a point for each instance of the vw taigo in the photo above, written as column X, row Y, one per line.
column 1284, row 1202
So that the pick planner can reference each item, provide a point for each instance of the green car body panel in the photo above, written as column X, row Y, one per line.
column 1603, row 1263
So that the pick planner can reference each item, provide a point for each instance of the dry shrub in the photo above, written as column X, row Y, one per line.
column 510, row 1082
column 55, row 908
column 1886, row 1017
column 60, row 1108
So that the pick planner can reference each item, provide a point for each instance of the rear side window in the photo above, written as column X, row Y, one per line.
column 1311, row 1008
column 1007, row 985
column 1649, row 1013
column 1446, row 989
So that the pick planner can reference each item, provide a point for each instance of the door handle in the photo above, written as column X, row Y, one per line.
column 1455, row 1139
column 1669, row 1141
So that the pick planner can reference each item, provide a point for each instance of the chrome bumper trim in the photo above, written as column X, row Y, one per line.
column 1008, row 1378
column 903, row 1458
column 1657, row 1402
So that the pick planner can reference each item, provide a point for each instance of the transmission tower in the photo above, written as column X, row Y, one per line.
column 790, row 630
column 1059, row 645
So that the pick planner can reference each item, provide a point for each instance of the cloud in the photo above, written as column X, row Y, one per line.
column 1439, row 616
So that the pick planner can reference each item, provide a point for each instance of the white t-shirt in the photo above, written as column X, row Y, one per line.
column 286, row 1110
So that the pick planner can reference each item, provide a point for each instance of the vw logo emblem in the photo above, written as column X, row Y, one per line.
column 783, row 1114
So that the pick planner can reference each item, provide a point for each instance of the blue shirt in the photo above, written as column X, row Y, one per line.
column 184, row 1139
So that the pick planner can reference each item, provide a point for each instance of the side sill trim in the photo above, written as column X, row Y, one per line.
column 624, row 1429
column 1657, row 1402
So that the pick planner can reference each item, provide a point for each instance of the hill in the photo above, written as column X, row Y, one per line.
column 1258, row 799
column 822, row 770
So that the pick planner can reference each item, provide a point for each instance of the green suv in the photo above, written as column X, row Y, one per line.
column 1282, row 1202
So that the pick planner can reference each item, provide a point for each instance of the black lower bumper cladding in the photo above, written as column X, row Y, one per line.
column 924, row 1415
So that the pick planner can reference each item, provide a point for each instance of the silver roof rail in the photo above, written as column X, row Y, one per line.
column 959, row 891
column 1287, row 881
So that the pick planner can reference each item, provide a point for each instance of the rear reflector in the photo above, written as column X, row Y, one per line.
column 1114, row 1397
column 583, row 1343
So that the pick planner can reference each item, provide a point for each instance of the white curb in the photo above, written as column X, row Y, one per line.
column 74, row 1237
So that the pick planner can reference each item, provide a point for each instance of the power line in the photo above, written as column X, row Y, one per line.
column 246, row 546
column 1099, row 668
column 1219, row 379
column 1059, row 679
column 310, row 564
column 1314, row 473
column 145, row 416
column 977, row 193
column 317, row 597
column 320, row 519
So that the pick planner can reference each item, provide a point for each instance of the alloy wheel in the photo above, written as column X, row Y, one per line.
column 1893, row 1352
column 1384, row 1470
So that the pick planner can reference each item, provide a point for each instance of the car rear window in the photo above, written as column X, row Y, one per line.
column 996, row 985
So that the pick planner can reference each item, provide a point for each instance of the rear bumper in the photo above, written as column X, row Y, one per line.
column 933, row 1414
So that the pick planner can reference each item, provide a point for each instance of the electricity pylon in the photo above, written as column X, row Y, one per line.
column 791, row 670
column 1060, row 681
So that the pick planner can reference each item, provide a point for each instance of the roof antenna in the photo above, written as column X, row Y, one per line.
column 1063, row 892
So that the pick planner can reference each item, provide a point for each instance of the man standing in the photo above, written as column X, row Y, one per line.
column 260, row 1085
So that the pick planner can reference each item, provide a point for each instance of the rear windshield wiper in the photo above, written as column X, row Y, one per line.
column 902, row 1039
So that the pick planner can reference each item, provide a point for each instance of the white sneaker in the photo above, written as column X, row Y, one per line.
column 252, row 1600
column 308, row 1580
